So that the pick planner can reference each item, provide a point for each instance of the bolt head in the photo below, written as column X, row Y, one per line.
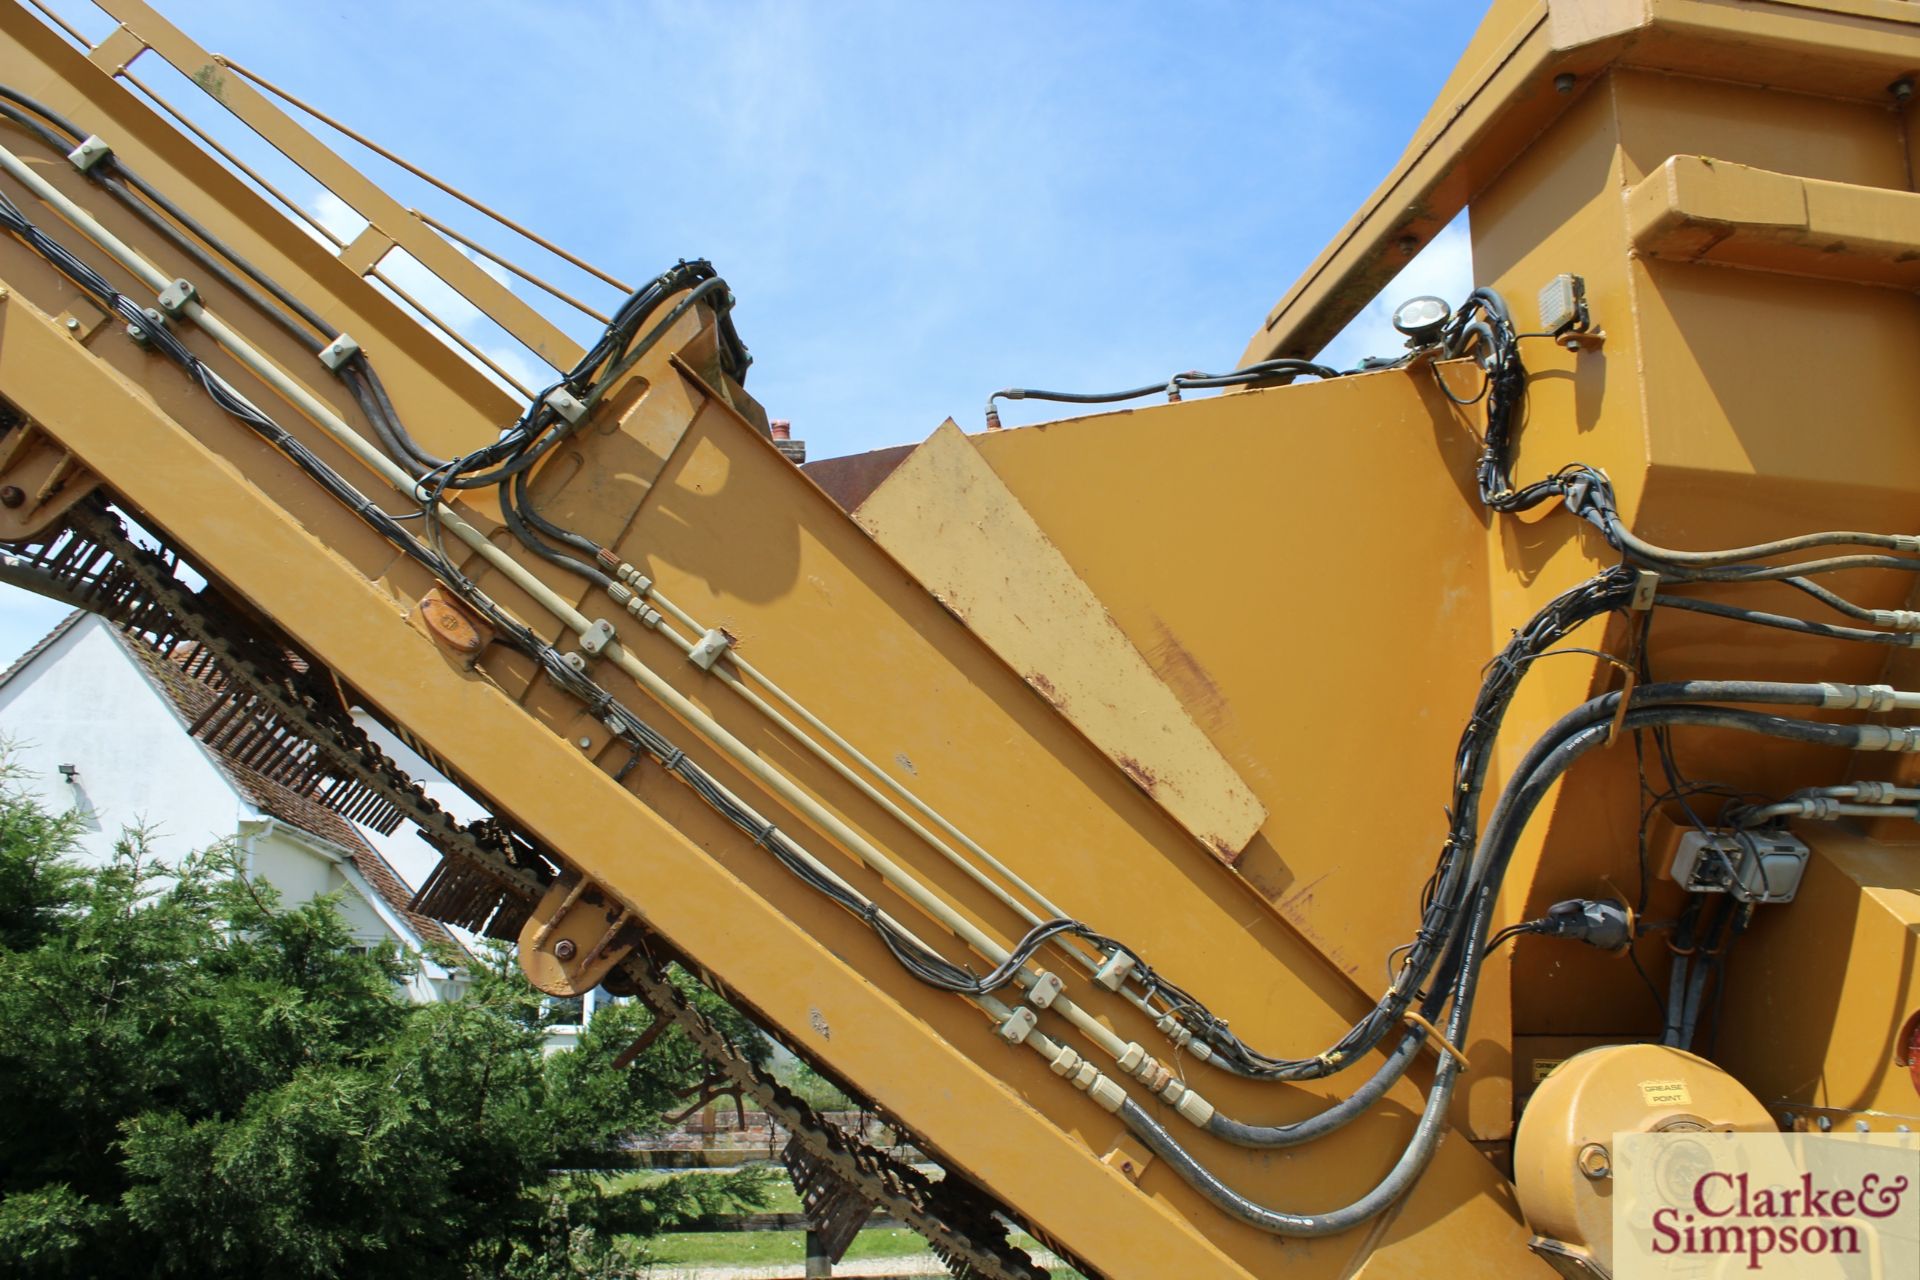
column 586, row 743
column 1564, row 82
column 1594, row 1161
column 73, row 322
column 12, row 496
column 564, row 948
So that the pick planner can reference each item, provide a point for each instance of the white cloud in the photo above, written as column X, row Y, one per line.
column 1443, row 269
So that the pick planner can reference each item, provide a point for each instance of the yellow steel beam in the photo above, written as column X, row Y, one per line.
column 792, row 978
column 1696, row 209
column 1527, row 65
column 370, row 201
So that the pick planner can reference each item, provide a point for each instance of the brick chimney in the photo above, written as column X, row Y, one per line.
column 782, row 432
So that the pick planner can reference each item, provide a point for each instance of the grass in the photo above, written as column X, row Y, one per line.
column 771, row 1248
column 779, row 1248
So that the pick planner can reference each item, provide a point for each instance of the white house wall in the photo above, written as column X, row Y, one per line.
column 84, row 702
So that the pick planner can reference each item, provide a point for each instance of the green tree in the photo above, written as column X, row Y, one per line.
column 196, row 1080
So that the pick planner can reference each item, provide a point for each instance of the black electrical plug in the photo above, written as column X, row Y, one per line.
column 1606, row 925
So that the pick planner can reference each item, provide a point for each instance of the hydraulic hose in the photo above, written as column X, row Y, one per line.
column 1640, row 549
column 1551, row 756
column 1596, row 711
column 1786, row 622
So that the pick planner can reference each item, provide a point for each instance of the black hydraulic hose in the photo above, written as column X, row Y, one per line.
column 1835, row 601
column 522, row 503
column 1595, row 710
column 1322, row 1123
column 1730, row 557
column 429, row 461
column 1261, row 371
column 159, row 201
column 1550, row 758
column 1781, row 572
column 640, row 348
column 1786, row 622
column 354, row 375
column 535, row 544
column 357, row 374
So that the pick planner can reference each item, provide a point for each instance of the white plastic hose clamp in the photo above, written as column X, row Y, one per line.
column 708, row 649
column 566, row 404
column 1113, row 973
column 1018, row 1025
column 338, row 352
column 89, row 153
column 1045, row 987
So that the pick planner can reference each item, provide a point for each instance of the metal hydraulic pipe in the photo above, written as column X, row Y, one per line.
column 814, row 722
column 547, row 598
column 1091, row 963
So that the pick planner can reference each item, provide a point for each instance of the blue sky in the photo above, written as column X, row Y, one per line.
column 916, row 204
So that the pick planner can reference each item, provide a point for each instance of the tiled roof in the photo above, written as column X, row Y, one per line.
column 191, row 697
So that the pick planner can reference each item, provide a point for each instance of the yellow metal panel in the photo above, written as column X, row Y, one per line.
column 1301, row 711
column 1835, row 975
column 788, row 974
column 949, row 519
column 1698, row 210
column 1489, row 115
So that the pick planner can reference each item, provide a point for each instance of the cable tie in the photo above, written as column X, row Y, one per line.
column 1414, row 1017
column 671, row 760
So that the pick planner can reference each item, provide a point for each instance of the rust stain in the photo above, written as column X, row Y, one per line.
column 1182, row 673
column 1221, row 849
column 1144, row 778
column 1300, row 901
column 1044, row 687
column 954, row 611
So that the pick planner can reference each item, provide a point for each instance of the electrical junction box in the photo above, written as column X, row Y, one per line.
column 1754, row 866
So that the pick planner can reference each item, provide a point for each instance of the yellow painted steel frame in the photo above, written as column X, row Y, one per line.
column 1306, row 569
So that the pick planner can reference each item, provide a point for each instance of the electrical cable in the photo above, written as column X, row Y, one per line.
column 1264, row 371
column 1460, row 895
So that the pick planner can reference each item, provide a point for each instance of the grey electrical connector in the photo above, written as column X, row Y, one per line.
column 1753, row 866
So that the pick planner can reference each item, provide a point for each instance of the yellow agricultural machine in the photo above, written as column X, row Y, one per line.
column 1288, row 831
